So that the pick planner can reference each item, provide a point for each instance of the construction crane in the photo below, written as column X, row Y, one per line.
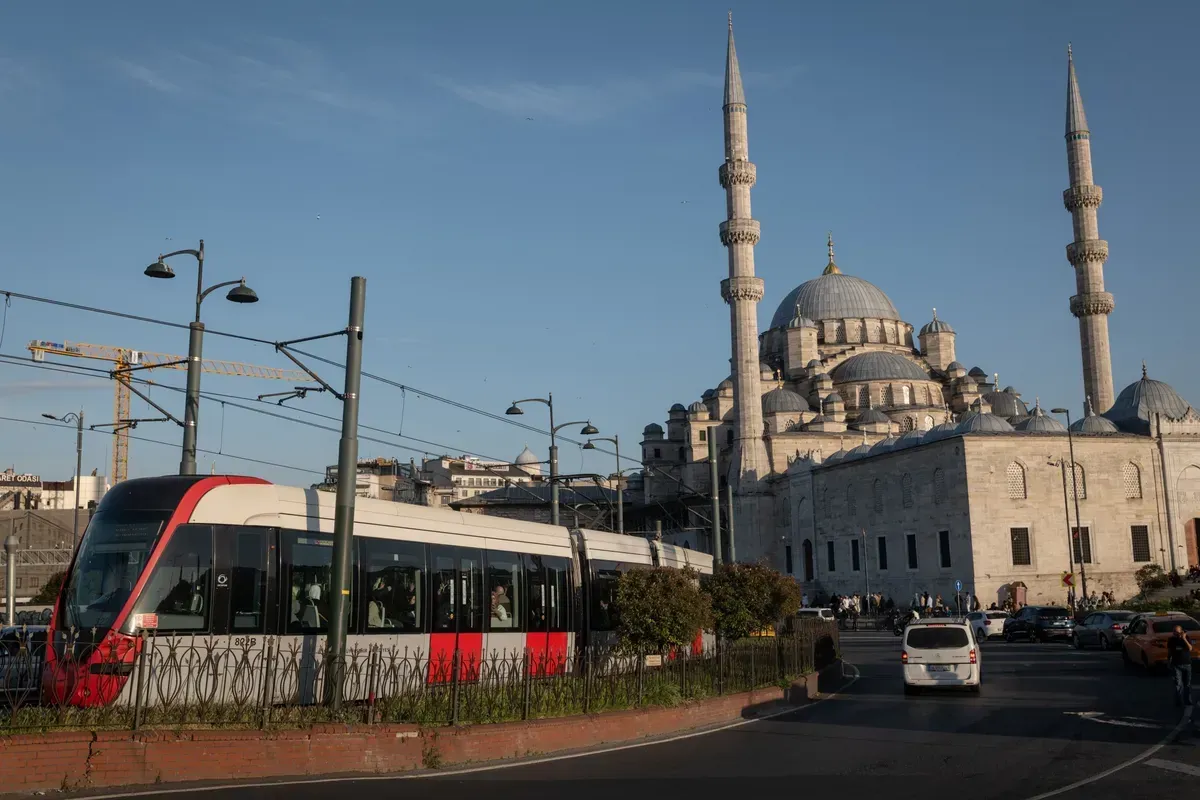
column 124, row 359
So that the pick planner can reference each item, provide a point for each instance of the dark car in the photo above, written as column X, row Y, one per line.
column 1039, row 624
column 1103, row 629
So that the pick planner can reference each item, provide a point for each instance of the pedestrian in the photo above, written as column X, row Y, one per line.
column 804, row 600
column 1179, row 655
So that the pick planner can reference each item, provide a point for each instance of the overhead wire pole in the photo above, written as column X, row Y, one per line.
column 343, row 520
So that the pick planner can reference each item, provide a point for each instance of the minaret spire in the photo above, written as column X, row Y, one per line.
column 830, row 268
column 742, row 290
column 1087, row 254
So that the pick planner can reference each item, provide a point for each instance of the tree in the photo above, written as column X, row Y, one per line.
column 660, row 608
column 49, row 592
column 749, row 597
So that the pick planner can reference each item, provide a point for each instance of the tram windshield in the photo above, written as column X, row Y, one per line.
column 114, row 552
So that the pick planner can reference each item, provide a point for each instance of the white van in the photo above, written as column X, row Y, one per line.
column 940, row 653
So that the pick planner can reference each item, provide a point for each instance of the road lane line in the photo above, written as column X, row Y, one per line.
column 1174, row 766
column 1166, row 740
column 486, row 768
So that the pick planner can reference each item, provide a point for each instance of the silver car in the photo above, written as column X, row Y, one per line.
column 1103, row 629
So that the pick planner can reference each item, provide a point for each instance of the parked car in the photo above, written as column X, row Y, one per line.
column 1039, row 624
column 940, row 654
column 1145, row 643
column 987, row 624
column 1103, row 629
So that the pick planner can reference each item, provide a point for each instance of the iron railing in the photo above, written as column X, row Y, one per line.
column 286, row 681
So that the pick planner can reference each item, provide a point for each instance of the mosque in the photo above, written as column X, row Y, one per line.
column 859, row 454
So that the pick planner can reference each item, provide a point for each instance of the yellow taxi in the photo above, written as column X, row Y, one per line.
column 1145, row 643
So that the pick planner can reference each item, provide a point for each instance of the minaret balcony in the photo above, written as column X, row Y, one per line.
column 737, row 173
column 739, row 231
column 1092, row 304
column 1087, row 196
column 743, row 287
column 1087, row 252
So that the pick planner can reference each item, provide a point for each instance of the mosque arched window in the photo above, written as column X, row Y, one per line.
column 1079, row 484
column 1015, row 475
column 1131, row 478
column 851, row 503
column 939, row 486
column 864, row 396
column 906, row 490
column 907, row 424
column 928, row 422
column 889, row 397
column 877, row 495
column 840, row 335
column 906, row 395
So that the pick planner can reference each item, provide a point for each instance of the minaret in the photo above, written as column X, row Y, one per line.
column 1088, row 252
column 742, row 290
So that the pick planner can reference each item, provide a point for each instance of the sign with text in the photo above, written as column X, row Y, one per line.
column 11, row 478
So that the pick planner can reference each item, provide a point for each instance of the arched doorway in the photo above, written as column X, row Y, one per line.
column 1191, row 538
column 808, row 560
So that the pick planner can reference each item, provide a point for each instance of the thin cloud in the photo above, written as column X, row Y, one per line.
column 142, row 74
column 582, row 103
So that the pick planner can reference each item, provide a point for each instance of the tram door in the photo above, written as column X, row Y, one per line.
column 245, row 578
column 458, row 607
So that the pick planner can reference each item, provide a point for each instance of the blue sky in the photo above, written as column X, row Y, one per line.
column 530, row 189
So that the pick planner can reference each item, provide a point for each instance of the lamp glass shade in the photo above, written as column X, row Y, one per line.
column 514, row 410
column 589, row 430
column 589, row 446
column 241, row 294
column 1059, row 411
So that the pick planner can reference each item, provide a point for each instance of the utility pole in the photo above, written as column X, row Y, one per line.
column 78, row 474
column 732, row 543
column 343, row 520
column 715, row 491
column 10, row 575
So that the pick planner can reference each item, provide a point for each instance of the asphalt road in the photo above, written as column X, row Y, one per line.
column 1048, row 717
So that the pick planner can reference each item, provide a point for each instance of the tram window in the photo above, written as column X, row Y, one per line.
column 249, row 589
column 505, row 590
column 605, row 575
column 180, row 586
column 395, row 587
column 471, row 600
column 444, row 574
column 535, row 580
column 308, row 566
column 559, row 584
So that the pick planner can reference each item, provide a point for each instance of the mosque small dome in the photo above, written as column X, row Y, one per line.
column 1040, row 422
column 1093, row 423
column 1139, row 402
column 955, row 365
column 834, row 399
column 878, row 366
column 678, row 407
column 813, row 364
column 652, row 429
column 987, row 423
column 699, row 409
column 861, row 451
column 939, row 432
column 873, row 416
column 822, row 376
column 725, row 387
column 1006, row 404
column 910, row 439
column 884, row 445
column 1012, row 390
column 977, row 372
column 800, row 321
column 834, row 458
column 936, row 326
column 783, row 401
column 708, row 393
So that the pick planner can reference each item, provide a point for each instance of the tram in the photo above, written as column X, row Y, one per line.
column 237, row 563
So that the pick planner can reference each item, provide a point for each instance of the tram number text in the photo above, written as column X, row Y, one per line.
column 245, row 641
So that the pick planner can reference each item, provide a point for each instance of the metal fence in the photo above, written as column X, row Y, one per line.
column 187, row 681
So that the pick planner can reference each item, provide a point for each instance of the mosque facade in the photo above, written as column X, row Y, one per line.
column 857, row 453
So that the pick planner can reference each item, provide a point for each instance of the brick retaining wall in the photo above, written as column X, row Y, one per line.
column 77, row 760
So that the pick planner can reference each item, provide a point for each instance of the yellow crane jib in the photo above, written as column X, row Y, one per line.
column 126, row 358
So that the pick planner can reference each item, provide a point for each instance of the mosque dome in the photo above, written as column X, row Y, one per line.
column 699, row 409
column 1094, row 423
column 834, row 399
column 835, row 296
column 977, row 372
column 527, row 458
column 800, row 321
column 878, row 366
column 653, row 429
column 783, row 401
column 725, row 387
column 988, row 423
column 822, row 376
column 1139, row 402
column 1006, row 404
column 708, row 393
column 1039, row 422
column 678, row 408
column 834, row 458
column 936, row 326
column 884, row 445
column 813, row 364
column 955, row 365
column 861, row 451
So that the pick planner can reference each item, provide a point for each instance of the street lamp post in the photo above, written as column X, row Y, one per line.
column 241, row 293
column 1075, row 492
column 616, row 440
column 78, row 420
column 587, row 430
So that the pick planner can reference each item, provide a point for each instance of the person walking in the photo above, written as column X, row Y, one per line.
column 1179, row 655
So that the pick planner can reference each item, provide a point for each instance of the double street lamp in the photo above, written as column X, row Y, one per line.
column 240, row 293
column 587, row 430
column 1078, row 535
column 616, row 441
column 78, row 420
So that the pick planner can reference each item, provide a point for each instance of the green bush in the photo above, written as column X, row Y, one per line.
column 660, row 608
column 1151, row 578
column 749, row 597
column 49, row 593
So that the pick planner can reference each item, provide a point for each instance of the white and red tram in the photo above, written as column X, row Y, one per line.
column 237, row 561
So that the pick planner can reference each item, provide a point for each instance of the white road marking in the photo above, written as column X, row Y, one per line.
column 1166, row 740
column 1127, row 722
column 488, row 768
column 1174, row 766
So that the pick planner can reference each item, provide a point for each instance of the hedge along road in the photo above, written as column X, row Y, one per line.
column 1049, row 718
